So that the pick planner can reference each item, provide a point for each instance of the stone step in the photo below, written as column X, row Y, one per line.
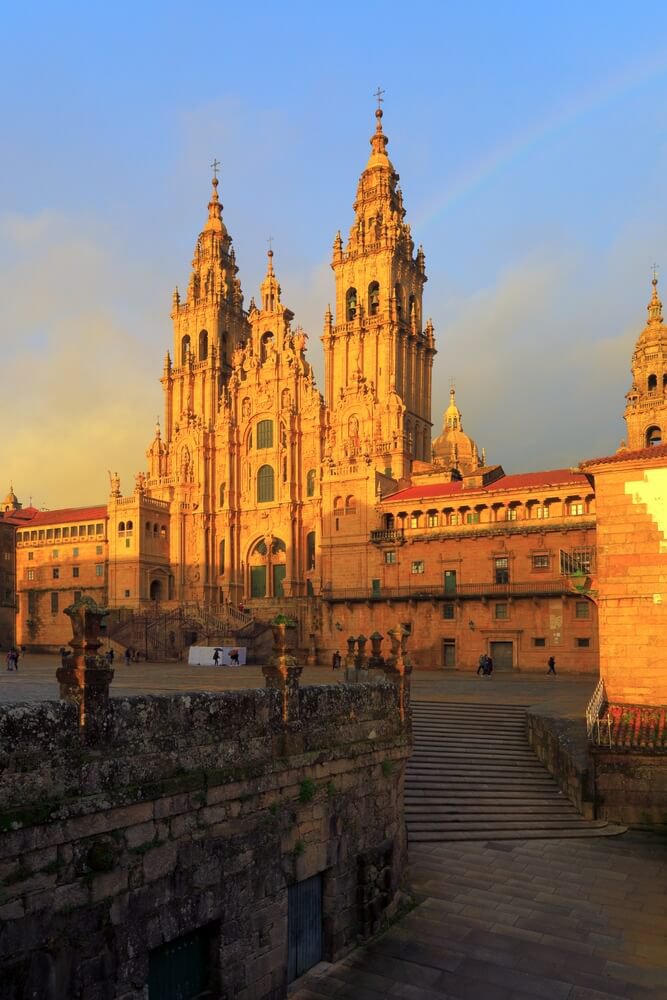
column 471, row 809
column 506, row 822
column 528, row 833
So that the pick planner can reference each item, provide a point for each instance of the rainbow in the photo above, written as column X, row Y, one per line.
column 593, row 99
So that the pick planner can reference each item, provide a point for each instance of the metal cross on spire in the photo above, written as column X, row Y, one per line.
column 270, row 242
column 378, row 94
column 656, row 268
column 214, row 167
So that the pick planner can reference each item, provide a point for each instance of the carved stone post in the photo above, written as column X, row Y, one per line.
column 311, row 659
column 398, row 667
column 350, row 657
column 376, row 659
column 362, row 659
column 84, row 676
column 282, row 673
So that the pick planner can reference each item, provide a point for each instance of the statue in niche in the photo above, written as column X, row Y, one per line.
column 246, row 408
column 185, row 465
column 353, row 431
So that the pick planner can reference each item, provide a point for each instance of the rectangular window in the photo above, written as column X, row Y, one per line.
column 472, row 517
column 414, row 520
column 540, row 562
column 31, row 574
column 501, row 612
column 32, row 602
column 310, row 550
column 511, row 514
column 41, row 534
column 91, row 529
column 539, row 642
column 77, row 595
column 541, row 513
column 54, row 603
column 575, row 509
column 99, row 569
column 432, row 519
column 98, row 550
column 448, row 610
column 127, row 542
column 582, row 643
column 74, row 531
column 75, row 552
column 31, row 556
column 99, row 529
column 54, row 554
column 582, row 609
column 65, row 532
column 265, row 434
column 49, row 533
column 502, row 572
column 75, row 571
column 56, row 573
column 56, row 533
column 390, row 557
column 417, row 566
column 127, row 593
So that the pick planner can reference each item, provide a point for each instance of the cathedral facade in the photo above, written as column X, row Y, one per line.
column 262, row 493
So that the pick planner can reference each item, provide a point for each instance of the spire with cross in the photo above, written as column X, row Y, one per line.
column 214, row 167
column 378, row 95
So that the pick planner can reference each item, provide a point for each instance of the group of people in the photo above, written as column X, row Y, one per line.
column 485, row 667
column 13, row 657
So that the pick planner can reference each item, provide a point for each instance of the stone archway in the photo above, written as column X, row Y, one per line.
column 266, row 567
column 156, row 591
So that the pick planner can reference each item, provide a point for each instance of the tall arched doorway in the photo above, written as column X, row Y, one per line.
column 156, row 590
column 267, row 567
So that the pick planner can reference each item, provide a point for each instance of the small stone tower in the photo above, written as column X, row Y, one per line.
column 646, row 403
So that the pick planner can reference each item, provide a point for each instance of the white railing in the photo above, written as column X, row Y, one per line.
column 598, row 726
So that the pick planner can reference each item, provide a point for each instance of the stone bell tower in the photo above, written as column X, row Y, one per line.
column 377, row 340
column 646, row 403
column 208, row 325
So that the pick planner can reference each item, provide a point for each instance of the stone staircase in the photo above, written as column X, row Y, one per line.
column 473, row 776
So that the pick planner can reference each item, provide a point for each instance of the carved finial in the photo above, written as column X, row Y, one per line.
column 655, row 305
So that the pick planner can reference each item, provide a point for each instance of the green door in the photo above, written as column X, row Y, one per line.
column 179, row 970
column 450, row 581
column 258, row 581
column 279, row 571
column 376, row 586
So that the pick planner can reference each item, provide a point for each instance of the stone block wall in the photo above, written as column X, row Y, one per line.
column 195, row 811
column 630, row 786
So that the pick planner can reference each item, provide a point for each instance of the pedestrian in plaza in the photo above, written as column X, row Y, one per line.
column 488, row 670
column 335, row 661
column 128, row 656
column 552, row 665
column 10, row 659
column 216, row 657
column 234, row 657
column 16, row 658
column 481, row 669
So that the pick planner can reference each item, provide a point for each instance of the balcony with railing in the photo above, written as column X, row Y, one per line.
column 461, row 591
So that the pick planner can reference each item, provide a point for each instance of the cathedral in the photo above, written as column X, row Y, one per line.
column 261, row 493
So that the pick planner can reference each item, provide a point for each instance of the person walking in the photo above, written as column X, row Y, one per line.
column 10, row 659
column 128, row 656
column 489, row 667
column 216, row 657
column 16, row 658
column 552, row 665
column 481, row 669
column 335, row 661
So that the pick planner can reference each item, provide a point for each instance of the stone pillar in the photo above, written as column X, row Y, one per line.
column 398, row 667
column 376, row 658
column 85, row 676
column 312, row 651
column 282, row 673
column 349, row 656
column 361, row 659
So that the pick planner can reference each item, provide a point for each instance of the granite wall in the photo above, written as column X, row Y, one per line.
column 194, row 812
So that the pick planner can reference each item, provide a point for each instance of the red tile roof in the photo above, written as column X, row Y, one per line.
column 524, row 480
column 655, row 451
column 65, row 514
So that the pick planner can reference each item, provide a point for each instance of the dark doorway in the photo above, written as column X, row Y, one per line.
column 304, row 926
column 179, row 970
column 279, row 570
column 450, row 581
column 502, row 655
column 156, row 590
column 449, row 653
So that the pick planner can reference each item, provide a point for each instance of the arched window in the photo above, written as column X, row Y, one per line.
column 388, row 522
column 398, row 292
column 148, row 527
column 415, row 518
column 350, row 505
column 652, row 382
column 265, row 491
column 163, row 532
column 266, row 345
column 265, row 434
column 653, row 436
column 338, row 505
column 129, row 527
column 203, row 345
column 121, row 527
column 432, row 518
column 155, row 529
column 350, row 304
column 373, row 298
column 310, row 483
column 664, row 381
column 185, row 348
column 310, row 550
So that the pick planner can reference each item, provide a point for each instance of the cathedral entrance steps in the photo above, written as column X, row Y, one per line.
column 474, row 776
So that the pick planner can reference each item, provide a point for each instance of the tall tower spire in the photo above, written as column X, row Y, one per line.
column 646, row 403
column 378, row 339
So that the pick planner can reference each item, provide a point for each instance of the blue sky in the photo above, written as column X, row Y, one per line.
column 531, row 144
